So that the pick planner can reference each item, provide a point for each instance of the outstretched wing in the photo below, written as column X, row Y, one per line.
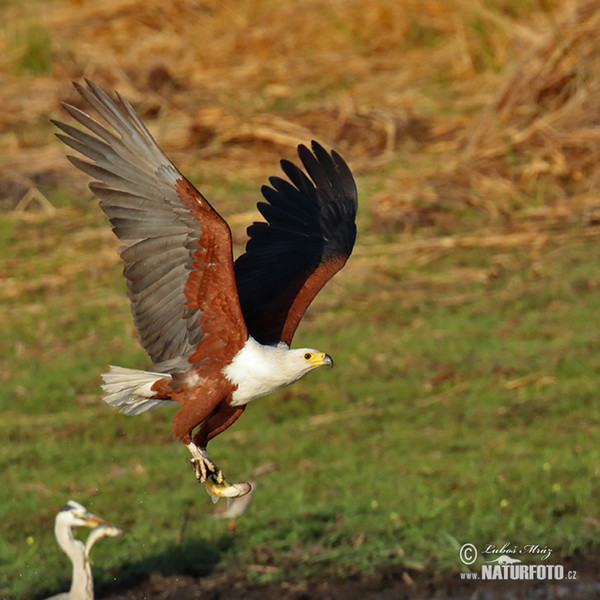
column 308, row 236
column 177, row 249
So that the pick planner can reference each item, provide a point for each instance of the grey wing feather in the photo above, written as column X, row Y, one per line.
column 136, row 185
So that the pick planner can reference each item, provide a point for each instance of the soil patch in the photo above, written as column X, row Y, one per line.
column 394, row 583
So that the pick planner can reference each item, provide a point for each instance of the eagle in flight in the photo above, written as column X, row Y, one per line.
column 218, row 331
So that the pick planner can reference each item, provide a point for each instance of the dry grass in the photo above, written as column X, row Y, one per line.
column 242, row 83
column 533, row 151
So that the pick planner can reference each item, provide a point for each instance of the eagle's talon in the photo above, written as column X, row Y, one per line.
column 203, row 466
column 199, row 469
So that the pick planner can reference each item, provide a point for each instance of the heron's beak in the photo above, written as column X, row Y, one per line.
column 92, row 520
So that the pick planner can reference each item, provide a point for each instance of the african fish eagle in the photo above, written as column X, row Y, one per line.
column 218, row 332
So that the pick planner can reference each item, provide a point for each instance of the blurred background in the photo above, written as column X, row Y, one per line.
column 463, row 405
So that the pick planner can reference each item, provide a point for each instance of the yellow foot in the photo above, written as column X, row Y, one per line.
column 203, row 466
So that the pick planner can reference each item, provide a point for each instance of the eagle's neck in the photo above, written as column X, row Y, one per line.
column 258, row 370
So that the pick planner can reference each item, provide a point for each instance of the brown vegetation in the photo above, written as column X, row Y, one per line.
column 441, row 107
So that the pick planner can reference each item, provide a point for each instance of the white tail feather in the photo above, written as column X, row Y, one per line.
column 132, row 389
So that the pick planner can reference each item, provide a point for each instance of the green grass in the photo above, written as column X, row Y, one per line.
column 461, row 409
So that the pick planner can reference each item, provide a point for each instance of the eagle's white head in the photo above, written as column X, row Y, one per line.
column 258, row 370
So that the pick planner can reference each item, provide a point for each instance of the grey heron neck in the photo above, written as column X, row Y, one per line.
column 82, row 586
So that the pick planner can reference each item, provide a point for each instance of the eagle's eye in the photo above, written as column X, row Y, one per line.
column 307, row 356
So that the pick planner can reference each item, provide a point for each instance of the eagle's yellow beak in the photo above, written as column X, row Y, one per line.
column 319, row 359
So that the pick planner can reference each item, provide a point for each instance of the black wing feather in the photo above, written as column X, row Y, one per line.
column 309, row 222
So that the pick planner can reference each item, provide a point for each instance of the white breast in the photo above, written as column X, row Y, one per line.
column 258, row 370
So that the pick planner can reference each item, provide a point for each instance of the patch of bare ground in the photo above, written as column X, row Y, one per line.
column 393, row 583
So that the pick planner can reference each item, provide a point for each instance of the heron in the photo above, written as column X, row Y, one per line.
column 73, row 514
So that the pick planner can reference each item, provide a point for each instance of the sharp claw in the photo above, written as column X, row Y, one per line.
column 199, row 469
column 203, row 466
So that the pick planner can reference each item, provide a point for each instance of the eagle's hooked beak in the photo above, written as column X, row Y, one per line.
column 320, row 359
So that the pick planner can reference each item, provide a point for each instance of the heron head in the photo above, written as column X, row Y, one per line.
column 77, row 515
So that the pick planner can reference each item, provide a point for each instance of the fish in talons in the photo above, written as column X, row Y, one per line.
column 225, row 489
